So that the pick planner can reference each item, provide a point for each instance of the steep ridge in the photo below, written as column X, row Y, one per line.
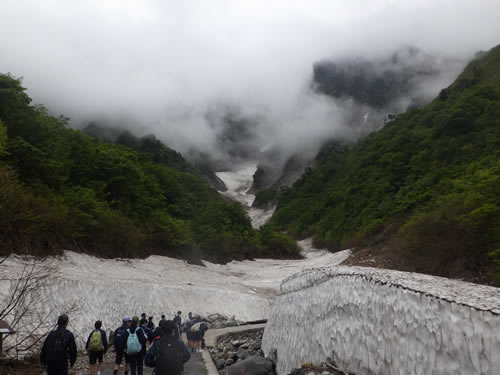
column 384, row 322
column 422, row 193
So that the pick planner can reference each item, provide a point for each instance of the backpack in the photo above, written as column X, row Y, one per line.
column 169, row 357
column 95, row 343
column 56, row 346
column 133, row 344
column 119, row 339
column 195, row 327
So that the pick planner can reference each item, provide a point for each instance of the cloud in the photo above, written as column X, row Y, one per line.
column 161, row 66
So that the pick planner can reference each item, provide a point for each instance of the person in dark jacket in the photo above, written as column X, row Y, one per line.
column 97, row 354
column 167, row 340
column 59, row 348
column 203, row 329
column 147, row 332
column 136, row 359
column 151, row 325
column 163, row 319
column 178, row 322
column 143, row 320
column 120, row 344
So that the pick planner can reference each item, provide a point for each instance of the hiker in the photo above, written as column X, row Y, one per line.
column 177, row 320
column 96, row 346
column 189, row 335
column 151, row 325
column 158, row 332
column 120, row 344
column 147, row 332
column 59, row 348
column 136, row 347
column 196, row 337
column 162, row 319
column 203, row 329
column 168, row 354
column 143, row 320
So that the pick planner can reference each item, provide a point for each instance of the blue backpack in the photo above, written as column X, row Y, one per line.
column 133, row 344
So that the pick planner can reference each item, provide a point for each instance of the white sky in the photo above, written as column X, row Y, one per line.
column 161, row 64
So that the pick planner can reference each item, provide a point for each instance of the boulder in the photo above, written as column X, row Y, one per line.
column 214, row 317
column 251, row 366
column 242, row 353
column 229, row 362
column 220, row 364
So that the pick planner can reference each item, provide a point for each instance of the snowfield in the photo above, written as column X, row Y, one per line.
column 109, row 289
column 375, row 321
column 238, row 183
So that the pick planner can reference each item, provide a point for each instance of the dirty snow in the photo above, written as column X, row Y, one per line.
column 375, row 321
column 108, row 289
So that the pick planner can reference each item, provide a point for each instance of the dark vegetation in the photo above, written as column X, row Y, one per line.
column 61, row 189
column 426, row 186
column 376, row 83
column 157, row 150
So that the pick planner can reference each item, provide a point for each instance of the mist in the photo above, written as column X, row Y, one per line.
column 180, row 69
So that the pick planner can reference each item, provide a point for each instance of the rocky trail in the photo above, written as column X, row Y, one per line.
column 195, row 366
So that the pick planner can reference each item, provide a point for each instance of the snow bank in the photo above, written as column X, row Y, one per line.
column 108, row 289
column 376, row 321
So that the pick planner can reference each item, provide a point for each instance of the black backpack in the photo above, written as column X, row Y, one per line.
column 56, row 346
column 169, row 358
column 120, row 338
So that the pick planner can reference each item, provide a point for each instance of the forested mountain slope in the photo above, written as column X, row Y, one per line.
column 156, row 149
column 61, row 189
column 424, row 191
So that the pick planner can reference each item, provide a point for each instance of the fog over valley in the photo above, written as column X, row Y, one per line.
column 192, row 72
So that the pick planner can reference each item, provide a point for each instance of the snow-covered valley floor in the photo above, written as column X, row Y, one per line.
column 108, row 289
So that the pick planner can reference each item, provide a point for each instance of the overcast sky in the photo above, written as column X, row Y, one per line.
column 163, row 64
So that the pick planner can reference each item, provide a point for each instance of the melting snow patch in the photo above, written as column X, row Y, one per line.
column 376, row 321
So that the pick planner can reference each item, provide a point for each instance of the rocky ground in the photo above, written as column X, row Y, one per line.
column 217, row 321
column 235, row 347
column 240, row 353
column 13, row 367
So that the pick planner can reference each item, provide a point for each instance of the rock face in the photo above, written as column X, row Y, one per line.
column 384, row 322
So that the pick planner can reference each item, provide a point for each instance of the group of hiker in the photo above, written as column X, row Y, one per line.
column 136, row 342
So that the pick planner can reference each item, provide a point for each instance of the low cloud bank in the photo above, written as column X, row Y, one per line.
column 180, row 69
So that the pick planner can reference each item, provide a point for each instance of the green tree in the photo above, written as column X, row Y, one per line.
column 3, row 138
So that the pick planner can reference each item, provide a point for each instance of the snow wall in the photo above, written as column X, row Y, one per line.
column 374, row 321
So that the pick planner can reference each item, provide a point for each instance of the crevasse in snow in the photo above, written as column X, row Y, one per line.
column 376, row 321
